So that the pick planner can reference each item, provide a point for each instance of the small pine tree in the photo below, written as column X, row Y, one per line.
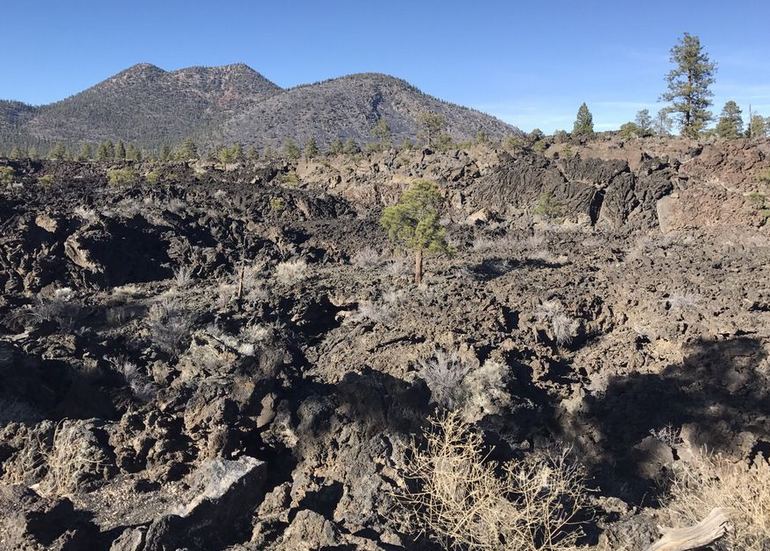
column 381, row 132
column 252, row 154
column 433, row 125
column 187, row 151
column 757, row 127
column 33, row 153
column 351, row 147
column 120, row 151
column 16, row 153
column 730, row 125
column 291, row 150
column 86, row 152
column 336, row 147
column 59, row 152
column 132, row 153
column 311, row 149
column 663, row 123
column 414, row 222
column 689, row 85
column 165, row 153
column 103, row 152
column 482, row 137
column 643, row 121
column 584, row 123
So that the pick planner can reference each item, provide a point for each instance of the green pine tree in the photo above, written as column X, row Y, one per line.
column 433, row 126
column 311, row 149
column 584, row 123
column 644, row 122
column 187, row 151
column 120, row 151
column 689, row 85
column 730, row 125
column 336, row 147
column 414, row 222
column 381, row 132
column 757, row 127
column 291, row 150
column 86, row 152
column 59, row 152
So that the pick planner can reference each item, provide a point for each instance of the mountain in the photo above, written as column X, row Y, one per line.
column 148, row 106
column 350, row 107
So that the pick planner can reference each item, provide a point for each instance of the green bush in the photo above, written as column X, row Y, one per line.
column 153, row 177
column 121, row 176
column 6, row 175
column 289, row 179
column 277, row 204
column 547, row 206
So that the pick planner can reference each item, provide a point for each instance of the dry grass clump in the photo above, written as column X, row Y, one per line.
column 472, row 392
column 74, row 459
column 463, row 501
column 291, row 271
column 742, row 489
column 563, row 327
column 60, row 307
column 170, row 324
column 367, row 258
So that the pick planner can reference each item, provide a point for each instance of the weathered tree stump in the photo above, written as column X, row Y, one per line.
column 707, row 531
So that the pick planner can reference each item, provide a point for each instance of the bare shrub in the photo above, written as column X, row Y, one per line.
column 183, row 277
column 369, row 310
column 141, row 386
column 669, row 435
column 709, row 481
column 75, row 458
column 291, row 271
column 682, row 302
column 563, row 327
column 61, row 307
column 444, row 374
column 464, row 501
column 367, row 258
column 398, row 268
column 455, row 386
column 170, row 324
column 503, row 243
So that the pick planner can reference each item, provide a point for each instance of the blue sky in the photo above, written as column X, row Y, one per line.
column 529, row 63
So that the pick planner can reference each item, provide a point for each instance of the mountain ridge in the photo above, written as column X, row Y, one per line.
column 150, row 106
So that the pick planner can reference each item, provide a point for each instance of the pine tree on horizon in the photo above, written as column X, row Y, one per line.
column 689, row 85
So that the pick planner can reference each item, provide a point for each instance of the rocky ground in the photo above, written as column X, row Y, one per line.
column 233, row 357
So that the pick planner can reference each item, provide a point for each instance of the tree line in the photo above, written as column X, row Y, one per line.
column 689, row 96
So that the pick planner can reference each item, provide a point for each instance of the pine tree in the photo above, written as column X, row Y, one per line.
column 311, row 149
column 165, row 153
column 103, row 152
column 414, row 222
column 120, row 151
column 757, row 127
column 187, row 151
column 584, row 123
column 59, row 152
column 663, row 124
column 730, row 125
column 433, row 125
column 337, row 147
column 644, row 122
column 252, row 154
column 291, row 150
column 16, row 153
column 351, row 147
column 86, row 152
column 381, row 132
column 688, row 85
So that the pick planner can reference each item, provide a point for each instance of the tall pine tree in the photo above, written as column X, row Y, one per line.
column 584, row 123
column 730, row 125
column 688, row 85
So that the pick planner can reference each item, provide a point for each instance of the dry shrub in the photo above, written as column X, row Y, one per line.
column 367, row 258
column 743, row 490
column 464, row 501
column 563, row 327
column 291, row 271
column 170, row 324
